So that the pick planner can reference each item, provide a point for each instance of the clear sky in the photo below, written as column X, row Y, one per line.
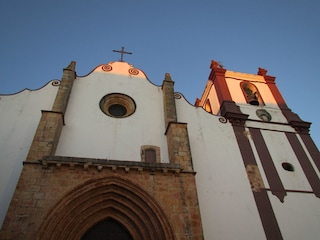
column 38, row 38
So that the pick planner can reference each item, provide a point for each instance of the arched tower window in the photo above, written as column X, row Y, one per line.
column 208, row 106
column 251, row 93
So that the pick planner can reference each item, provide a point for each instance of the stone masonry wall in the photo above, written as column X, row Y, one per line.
column 41, row 186
column 178, row 145
column 46, row 205
column 47, row 136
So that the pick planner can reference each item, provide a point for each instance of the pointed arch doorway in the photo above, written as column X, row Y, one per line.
column 108, row 229
column 111, row 201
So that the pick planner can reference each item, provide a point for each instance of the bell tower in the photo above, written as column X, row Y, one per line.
column 228, row 93
column 273, row 141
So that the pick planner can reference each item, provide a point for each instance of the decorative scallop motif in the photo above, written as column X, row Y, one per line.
column 177, row 96
column 55, row 83
column 106, row 68
column 222, row 120
column 133, row 71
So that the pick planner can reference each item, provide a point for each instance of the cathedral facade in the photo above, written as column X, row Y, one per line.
column 111, row 155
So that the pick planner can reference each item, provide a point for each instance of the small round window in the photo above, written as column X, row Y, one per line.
column 288, row 167
column 117, row 105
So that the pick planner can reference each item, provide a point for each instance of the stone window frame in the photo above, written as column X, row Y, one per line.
column 150, row 147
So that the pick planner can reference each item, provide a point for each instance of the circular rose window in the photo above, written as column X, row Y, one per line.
column 117, row 105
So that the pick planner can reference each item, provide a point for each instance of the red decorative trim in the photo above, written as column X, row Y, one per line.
column 312, row 148
column 270, row 80
column 272, row 175
column 267, row 216
column 275, row 92
column 293, row 119
column 106, row 67
column 262, row 71
column 231, row 111
column 197, row 102
column 299, row 125
column 244, row 145
column 217, row 76
column 133, row 71
column 305, row 163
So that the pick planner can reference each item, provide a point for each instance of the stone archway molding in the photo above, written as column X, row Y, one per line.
column 99, row 199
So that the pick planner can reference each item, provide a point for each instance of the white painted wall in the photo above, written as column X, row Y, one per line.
column 281, row 151
column 224, row 192
column 298, row 216
column 19, row 117
column 90, row 133
column 227, row 206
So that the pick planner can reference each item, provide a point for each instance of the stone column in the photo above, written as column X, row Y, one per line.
column 179, row 146
column 169, row 102
column 177, row 133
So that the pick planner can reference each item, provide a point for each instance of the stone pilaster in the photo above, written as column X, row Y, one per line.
column 61, row 101
column 179, row 146
column 47, row 136
column 49, row 128
column 177, row 133
column 169, row 103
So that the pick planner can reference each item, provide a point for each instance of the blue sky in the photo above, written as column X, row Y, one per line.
column 39, row 38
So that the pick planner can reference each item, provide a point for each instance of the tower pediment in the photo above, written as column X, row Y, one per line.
column 121, row 68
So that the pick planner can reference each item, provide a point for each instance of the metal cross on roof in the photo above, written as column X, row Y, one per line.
column 122, row 52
